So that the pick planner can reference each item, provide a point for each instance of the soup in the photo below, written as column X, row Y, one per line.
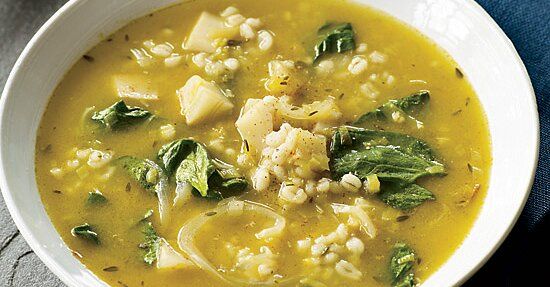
column 239, row 143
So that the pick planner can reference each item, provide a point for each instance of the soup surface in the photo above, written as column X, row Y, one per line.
column 291, row 143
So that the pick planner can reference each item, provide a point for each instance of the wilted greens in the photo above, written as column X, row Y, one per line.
column 334, row 38
column 397, row 159
column 119, row 116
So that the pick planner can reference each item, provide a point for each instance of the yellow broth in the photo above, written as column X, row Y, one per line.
column 454, row 126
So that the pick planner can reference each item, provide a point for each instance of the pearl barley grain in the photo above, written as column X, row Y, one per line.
column 351, row 182
column 235, row 20
column 162, row 50
column 229, row 11
column 265, row 40
column 231, row 63
column 246, row 31
column 358, row 65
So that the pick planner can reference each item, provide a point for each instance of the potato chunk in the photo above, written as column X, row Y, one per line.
column 254, row 123
column 201, row 100
column 259, row 117
column 207, row 29
column 134, row 87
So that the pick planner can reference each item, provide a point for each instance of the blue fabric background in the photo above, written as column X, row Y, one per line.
column 521, row 261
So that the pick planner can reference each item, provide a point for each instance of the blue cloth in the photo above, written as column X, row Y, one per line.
column 523, row 256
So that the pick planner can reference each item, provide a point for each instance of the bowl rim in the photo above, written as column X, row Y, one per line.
column 72, row 5
column 536, row 124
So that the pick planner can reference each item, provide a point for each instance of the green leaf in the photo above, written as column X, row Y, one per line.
column 398, row 160
column 401, row 263
column 173, row 153
column 225, row 182
column 96, row 197
column 220, row 188
column 85, row 231
column 195, row 169
column 334, row 38
column 150, row 244
column 119, row 116
column 404, row 197
column 405, row 281
column 391, row 156
column 210, row 178
column 234, row 184
column 145, row 172
column 404, row 105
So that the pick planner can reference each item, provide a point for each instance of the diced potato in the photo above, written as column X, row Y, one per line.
column 254, row 123
column 134, row 87
column 316, row 147
column 207, row 29
column 202, row 100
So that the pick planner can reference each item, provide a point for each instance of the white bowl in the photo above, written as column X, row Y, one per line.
column 461, row 27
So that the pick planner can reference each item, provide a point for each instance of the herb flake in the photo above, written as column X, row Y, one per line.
column 110, row 269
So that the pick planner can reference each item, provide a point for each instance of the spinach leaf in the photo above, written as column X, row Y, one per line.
column 173, row 153
column 398, row 160
column 415, row 100
column 403, row 105
column 401, row 265
column 151, row 243
column 210, row 178
column 220, row 188
column 405, row 281
column 225, row 182
column 391, row 156
column 145, row 172
column 195, row 169
column 85, row 231
column 233, row 184
column 95, row 198
column 119, row 116
column 404, row 196
column 334, row 38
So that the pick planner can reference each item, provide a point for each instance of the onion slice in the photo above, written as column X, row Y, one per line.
column 232, row 207
column 183, row 193
column 162, row 191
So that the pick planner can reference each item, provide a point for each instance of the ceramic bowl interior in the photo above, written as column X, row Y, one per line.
column 461, row 27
